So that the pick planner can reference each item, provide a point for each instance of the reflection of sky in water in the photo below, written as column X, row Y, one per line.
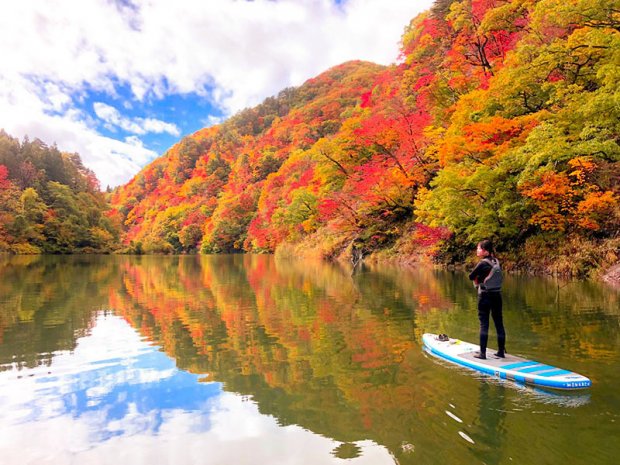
column 116, row 399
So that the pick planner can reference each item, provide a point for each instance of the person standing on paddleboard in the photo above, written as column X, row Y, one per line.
column 487, row 277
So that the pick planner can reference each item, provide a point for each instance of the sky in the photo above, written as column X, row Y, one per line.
column 120, row 81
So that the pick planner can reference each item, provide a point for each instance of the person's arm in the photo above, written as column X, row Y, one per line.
column 474, row 274
column 480, row 272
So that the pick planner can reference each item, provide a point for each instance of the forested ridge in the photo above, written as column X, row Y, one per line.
column 501, row 119
column 50, row 202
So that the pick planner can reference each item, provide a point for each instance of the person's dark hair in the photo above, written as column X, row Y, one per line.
column 487, row 245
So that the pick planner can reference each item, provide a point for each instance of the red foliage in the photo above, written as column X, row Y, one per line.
column 195, row 217
column 427, row 236
column 4, row 177
column 328, row 208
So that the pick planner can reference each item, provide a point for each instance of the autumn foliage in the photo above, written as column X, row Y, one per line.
column 50, row 202
column 500, row 120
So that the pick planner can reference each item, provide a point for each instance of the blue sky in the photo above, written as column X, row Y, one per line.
column 120, row 81
column 170, row 116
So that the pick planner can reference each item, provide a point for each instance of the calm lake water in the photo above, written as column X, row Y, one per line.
column 251, row 360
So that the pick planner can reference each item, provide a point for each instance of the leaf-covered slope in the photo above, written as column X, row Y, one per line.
column 205, row 189
column 50, row 202
column 500, row 120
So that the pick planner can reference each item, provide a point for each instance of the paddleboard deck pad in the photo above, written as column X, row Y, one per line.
column 511, row 367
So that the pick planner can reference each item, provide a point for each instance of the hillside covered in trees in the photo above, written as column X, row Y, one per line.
column 501, row 120
column 50, row 202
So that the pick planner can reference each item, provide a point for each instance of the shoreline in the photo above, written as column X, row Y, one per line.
column 609, row 276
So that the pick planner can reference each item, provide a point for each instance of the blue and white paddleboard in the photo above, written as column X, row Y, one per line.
column 512, row 367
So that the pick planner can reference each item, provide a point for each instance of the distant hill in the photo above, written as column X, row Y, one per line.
column 500, row 120
column 50, row 202
column 205, row 191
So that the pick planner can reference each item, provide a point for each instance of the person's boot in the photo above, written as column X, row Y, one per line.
column 500, row 354
column 480, row 355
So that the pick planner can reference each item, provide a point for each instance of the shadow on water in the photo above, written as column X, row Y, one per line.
column 339, row 354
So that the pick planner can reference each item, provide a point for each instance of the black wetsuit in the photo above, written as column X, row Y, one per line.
column 489, row 304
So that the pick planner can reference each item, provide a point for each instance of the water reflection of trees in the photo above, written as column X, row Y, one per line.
column 562, row 317
column 49, row 302
column 311, row 344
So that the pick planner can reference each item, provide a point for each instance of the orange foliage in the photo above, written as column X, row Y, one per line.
column 569, row 199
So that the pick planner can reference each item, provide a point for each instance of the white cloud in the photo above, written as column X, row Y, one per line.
column 22, row 112
column 234, row 53
column 140, row 126
column 157, row 126
column 107, row 113
column 212, row 120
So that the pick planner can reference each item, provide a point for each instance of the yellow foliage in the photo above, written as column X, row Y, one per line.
column 25, row 249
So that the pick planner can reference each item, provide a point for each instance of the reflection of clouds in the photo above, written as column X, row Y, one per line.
column 134, row 422
column 114, row 382
column 116, row 399
column 63, row 440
